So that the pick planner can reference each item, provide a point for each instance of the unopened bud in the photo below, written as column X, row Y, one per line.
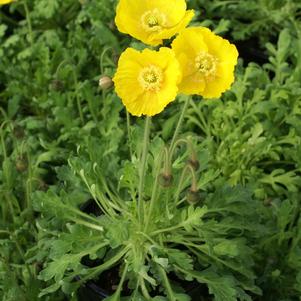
column 193, row 196
column 105, row 82
column 19, row 132
column 42, row 185
column 195, row 164
column 165, row 180
column 268, row 202
column 21, row 164
column 57, row 85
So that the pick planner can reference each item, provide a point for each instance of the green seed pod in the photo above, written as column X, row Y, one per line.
column 193, row 196
column 165, row 180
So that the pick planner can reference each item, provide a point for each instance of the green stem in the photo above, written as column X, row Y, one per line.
column 10, row 206
column 178, row 127
column 102, row 59
column 102, row 204
column 180, row 184
column 128, row 124
column 199, row 113
column 120, row 285
column 182, row 181
column 155, row 233
column 166, row 283
column 155, row 185
column 106, row 265
column 77, row 95
column 142, row 167
column 23, row 258
column 29, row 185
column 152, row 203
column 144, row 289
column 28, row 20
column 2, row 140
column 87, row 224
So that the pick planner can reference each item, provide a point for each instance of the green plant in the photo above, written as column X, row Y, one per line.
column 247, row 146
column 149, row 231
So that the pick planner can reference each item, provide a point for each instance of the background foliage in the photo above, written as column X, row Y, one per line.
column 52, row 54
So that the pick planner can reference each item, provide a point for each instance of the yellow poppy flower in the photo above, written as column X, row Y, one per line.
column 147, row 81
column 152, row 21
column 5, row 1
column 207, row 62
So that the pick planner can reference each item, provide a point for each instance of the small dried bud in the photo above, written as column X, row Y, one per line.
column 57, row 85
column 115, row 58
column 42, row 185
column 195, row 164
column 19, row 132
column 112, row 25
column 193, row 196
column 268, row 202
column 165, row 180
column 21, row 164
column 105, row 82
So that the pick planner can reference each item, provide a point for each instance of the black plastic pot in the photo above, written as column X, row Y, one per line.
column 91, row 292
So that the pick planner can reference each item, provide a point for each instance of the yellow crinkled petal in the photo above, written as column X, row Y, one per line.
column 219, row 47
column 131, row 18
column 138, row 99
column 189, row 42
column 221, row 84
column 126, row 18
column 5, row 1
column 125, row 79
column 193, row 84
column 186, row 47
column 169, row 32
column 198, row 48
column 174, row 10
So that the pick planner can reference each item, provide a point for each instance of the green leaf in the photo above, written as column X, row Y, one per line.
column 192, row 217
column 180, row 258
column 222, row 287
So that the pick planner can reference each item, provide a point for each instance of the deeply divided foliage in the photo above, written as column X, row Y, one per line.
column 69, row 227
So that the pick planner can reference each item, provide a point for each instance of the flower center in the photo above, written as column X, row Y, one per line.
column 153, row 20
column 150, row 78
column 206, row 64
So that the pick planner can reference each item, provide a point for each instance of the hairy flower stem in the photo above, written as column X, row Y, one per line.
column 176, row 133
column 128, row 124
column 178, row 127
column 166, row 284
column 76, row 88
column 142, row 168
column 144, row 289
column 79, row 108
column 152, row 202
column 120, row 285
column 103, row 267
column 28, row 20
